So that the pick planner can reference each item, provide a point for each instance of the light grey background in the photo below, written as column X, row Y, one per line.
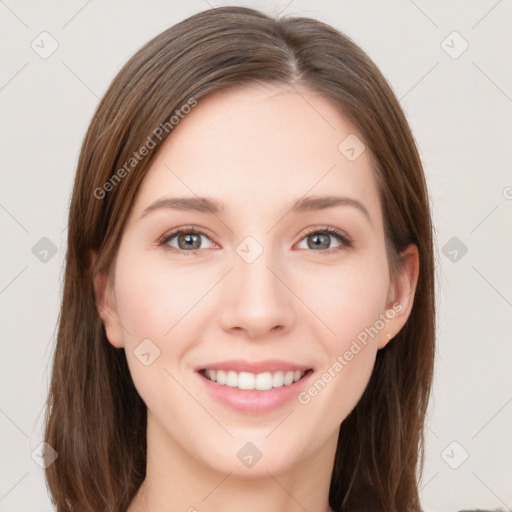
column 460, row 112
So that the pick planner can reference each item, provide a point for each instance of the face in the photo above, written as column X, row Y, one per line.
column 271, row 284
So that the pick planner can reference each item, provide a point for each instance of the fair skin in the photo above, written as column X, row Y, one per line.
column 256, row 150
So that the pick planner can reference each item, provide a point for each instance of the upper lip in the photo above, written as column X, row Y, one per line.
column 268, row 365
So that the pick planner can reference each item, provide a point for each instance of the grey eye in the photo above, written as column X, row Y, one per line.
column 186, row 241
column 319, row 240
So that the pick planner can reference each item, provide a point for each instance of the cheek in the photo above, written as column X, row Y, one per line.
column 152, row 305
column 351, row 302
column 348, row 299
column 149, row 305
column 153, row 299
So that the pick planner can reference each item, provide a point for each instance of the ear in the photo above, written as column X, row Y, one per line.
column 104, row 296
column 401, row 294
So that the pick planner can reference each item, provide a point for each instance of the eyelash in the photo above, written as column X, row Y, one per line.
column 342, row 237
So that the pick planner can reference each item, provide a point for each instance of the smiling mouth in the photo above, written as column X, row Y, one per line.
column 254, row 382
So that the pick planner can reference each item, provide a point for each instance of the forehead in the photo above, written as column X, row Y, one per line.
column 260, row 146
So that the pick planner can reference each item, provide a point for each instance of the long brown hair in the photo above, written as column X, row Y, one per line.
column 95, row 419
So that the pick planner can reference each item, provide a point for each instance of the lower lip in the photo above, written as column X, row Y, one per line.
column 254, row 402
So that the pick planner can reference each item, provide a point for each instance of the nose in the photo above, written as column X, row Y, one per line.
column 257, row 298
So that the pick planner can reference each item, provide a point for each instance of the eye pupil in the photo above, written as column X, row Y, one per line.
column 320, row 240
column 192, row 241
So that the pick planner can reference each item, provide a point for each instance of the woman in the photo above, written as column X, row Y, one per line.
column 248, row 311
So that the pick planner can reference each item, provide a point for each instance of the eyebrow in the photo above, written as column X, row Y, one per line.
column 210, row 205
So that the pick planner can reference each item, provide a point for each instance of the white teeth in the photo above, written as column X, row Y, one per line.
column 288, row 378
column 246, row 380
column 221, row 377
column 263, row 381
column 232, row 379
column 250, row 381
column 277, row 379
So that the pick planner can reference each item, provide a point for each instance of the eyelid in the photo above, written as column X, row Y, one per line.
column 169, row 235
column 344, row 239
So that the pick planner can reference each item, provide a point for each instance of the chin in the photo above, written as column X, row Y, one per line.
column 252, row 456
